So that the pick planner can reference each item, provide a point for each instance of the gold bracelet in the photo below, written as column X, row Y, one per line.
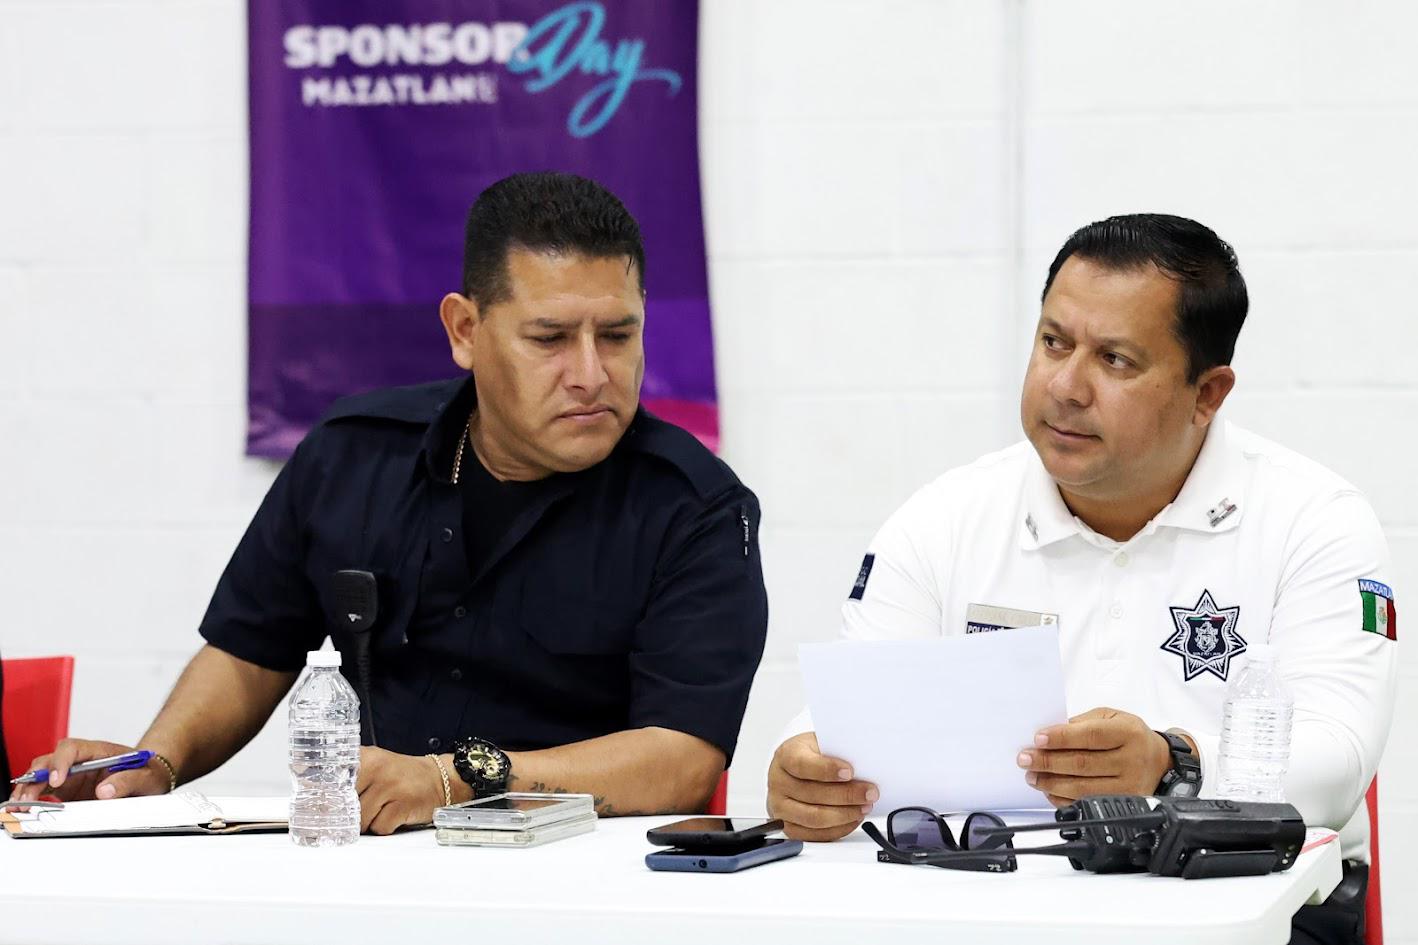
column 443, row 773
column 171, row 772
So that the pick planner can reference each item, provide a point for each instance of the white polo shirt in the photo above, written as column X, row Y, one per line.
column 1260, row 546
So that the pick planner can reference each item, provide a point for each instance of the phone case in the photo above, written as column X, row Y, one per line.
column 708, row 839
column 677, row 861
column 476, row 815
column 536, row 836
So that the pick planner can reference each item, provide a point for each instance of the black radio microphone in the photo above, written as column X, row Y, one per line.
column 1113, row 833
column 356, row 596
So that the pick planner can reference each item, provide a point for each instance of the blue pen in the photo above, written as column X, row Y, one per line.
column 132, row 759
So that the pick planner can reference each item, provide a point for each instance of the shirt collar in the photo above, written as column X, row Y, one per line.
column 1046, row 517
column 1212, row 499
column 440, row 442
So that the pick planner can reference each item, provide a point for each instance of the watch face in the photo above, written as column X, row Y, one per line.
column 481, row 765
column 492, row 764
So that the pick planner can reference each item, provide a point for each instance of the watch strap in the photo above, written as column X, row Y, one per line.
column 1183, row 776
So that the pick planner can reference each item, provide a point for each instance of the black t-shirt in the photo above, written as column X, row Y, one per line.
column 491, row 506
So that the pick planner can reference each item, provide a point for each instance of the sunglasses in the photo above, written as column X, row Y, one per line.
column 920, row 836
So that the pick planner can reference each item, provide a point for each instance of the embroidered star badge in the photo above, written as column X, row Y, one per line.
column 1205, row 638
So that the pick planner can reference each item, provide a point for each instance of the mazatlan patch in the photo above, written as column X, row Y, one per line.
column 1205, row 638
column 1379, row 615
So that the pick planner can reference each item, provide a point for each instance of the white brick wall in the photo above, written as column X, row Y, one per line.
column 885, row 182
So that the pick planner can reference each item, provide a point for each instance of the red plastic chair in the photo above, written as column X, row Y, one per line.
column 36, row 709
column 719, row 802
column 1373, row 902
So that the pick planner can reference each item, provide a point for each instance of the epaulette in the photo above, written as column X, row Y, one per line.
column 419, row 403
column 706, row 473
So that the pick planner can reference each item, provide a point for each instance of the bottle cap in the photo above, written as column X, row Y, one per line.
column 322, row 658
column 1261, row 652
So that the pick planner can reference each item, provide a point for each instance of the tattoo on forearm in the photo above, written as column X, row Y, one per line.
column 599, row 800
column 541, row 787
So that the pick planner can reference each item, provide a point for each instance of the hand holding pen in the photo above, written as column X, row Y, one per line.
column 79, row 769
column 124, row 762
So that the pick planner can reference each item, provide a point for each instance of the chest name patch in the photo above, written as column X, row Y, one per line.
column 985, row 618
column 1205, row 638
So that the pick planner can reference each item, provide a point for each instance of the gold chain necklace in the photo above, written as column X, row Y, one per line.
column 462, row 442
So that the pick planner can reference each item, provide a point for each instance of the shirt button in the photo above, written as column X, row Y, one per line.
column 460, row 611
column 434, row 744
column 1121, row 560
column 1115, row 611
column 455, row 674
column 447, row 535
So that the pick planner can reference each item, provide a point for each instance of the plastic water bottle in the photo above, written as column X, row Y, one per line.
column 324, row 755
column 1255, row 731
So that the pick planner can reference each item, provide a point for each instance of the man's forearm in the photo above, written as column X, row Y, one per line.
column 640, row 771
column 1325, row 778
column 218, row 705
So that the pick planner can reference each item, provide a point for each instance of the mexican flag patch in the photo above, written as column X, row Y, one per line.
column 1379, row 615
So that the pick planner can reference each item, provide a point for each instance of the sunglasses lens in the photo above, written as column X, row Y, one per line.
column 977, row 839
column 916, row 830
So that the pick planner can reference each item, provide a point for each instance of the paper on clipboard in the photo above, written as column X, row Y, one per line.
column 184, row 811
column 938, row 723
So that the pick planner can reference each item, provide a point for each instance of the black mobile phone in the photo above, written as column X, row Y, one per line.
column 717, row 832
column 677, row 860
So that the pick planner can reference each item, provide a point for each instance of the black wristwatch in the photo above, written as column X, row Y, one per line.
column 482, row 765
column 1183, row 778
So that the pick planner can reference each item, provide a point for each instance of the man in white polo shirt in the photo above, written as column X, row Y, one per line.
column 1162, row 541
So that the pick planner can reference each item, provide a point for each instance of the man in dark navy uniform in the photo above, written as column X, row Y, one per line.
column 569, row 593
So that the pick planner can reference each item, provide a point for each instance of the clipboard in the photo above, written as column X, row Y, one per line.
column 182, row 812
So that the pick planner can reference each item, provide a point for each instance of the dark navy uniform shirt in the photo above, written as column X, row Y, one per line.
column 626, row 595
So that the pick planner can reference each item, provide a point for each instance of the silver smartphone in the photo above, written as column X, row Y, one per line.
column 514, row 811
column 531, row 837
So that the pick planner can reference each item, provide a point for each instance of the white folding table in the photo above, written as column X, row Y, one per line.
column 595, row 888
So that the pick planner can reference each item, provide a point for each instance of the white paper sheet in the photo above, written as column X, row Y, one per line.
column 938, row 723
column 181, row 809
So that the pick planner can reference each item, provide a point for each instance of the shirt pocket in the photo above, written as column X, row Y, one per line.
column 572, row 622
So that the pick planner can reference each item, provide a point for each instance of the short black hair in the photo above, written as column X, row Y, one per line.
column 1212, row 302
column 545, row 211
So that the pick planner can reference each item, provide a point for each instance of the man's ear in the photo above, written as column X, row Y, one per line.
column 461, row 321
column 1212, row 388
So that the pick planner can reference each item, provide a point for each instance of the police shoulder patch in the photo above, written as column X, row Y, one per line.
column 860, row 587
column 1380, row 617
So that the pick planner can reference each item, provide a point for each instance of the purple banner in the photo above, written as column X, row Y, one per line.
column 374, row 126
